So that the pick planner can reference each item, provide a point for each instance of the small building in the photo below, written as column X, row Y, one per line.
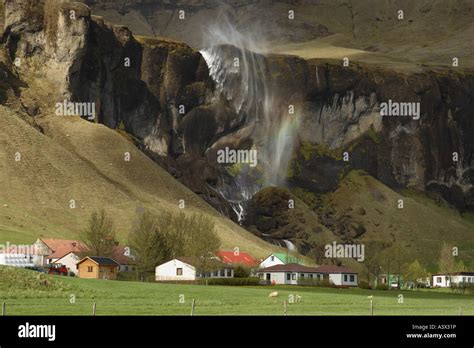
column 279, row 259
column 70, row 261
column 291, row 273
column 93, row 267
column 298, row 274
column 237, row 258
column 446, row 280
column 185, row 269
column 339, row 276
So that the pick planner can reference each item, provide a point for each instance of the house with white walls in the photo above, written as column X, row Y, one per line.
column 279, row 259
column 186, row 269
column 446, row 280
column 294, row 274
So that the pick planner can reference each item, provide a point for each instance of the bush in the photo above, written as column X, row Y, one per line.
column 364, row 285
column 250, row 281
column 381, row 287
column 324, row 283
column 241, row 272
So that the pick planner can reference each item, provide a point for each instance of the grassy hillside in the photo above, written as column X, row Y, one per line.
column 76, row 159
column 132, row 298
column 421, row 226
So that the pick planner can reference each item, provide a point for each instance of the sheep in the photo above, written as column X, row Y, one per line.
column 273, row 294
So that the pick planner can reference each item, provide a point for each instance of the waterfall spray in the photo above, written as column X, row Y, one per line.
column 239, row 68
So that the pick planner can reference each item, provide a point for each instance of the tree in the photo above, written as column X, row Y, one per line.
column 414, row 271
column 446, row 262
column 148, row 242
column 202, row 243
column 99, row 236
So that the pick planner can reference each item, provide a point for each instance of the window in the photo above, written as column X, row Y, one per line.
column 222, row 272
column 345, row 277
column 268, row 276
column 216, row 273
column 438, row 279
column 179, row 271
column 288, row 276
column 311, row 276
column 229, row 273
column 302, row 275
column 352, row 278
column 89, row 269
column 293, row 276
column 272, row 258
column 126, row 268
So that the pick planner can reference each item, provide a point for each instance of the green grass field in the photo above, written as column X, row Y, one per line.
column 25, row 293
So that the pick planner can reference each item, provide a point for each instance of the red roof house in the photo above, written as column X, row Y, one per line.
column 237, row 258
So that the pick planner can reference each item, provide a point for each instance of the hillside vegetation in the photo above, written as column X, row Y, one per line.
column 83, row 161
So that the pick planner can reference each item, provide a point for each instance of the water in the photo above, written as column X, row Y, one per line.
column 242, row 77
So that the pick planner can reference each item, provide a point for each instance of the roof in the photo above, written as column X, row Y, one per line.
column 194, row 261
column 118, row 254
column 101, row 261
column 293, row 267
column 454, row 274
column 287, row 258
column 61, row 247
column 240, row 258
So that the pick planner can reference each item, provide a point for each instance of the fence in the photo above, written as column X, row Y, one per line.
column 284, row 308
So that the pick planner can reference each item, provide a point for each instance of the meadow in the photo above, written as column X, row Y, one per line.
column 31, row 293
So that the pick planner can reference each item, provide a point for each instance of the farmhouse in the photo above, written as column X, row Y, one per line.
column 279, row 259
column 97, row 268
column 446, row 280
column 237, row 258
column 52, row 249
column 185, row 269
column 291, row 273
column 70, row 260
column 298, row 274
column 340, row 276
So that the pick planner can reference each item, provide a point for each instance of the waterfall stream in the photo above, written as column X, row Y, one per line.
column 242, row 78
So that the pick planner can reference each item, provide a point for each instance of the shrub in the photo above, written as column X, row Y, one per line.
column 324, row 283
column 241, row 272
column 250, row 281
column 364, row 285
column 382, row 287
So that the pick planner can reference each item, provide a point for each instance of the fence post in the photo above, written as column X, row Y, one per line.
column 371, row 307
column 93, row 309
column 4, row 312
column 285, row 311
column 192, row 307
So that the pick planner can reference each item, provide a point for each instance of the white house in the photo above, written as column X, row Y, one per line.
column 296, row 274
column 340, row 276
column 184, row 269
column 445, row 280
column 278, row 259
column 70, row 260
column 288, row 274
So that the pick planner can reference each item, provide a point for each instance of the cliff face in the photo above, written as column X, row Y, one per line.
column 161, row 92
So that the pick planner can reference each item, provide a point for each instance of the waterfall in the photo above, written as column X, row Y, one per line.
column 243, row 78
